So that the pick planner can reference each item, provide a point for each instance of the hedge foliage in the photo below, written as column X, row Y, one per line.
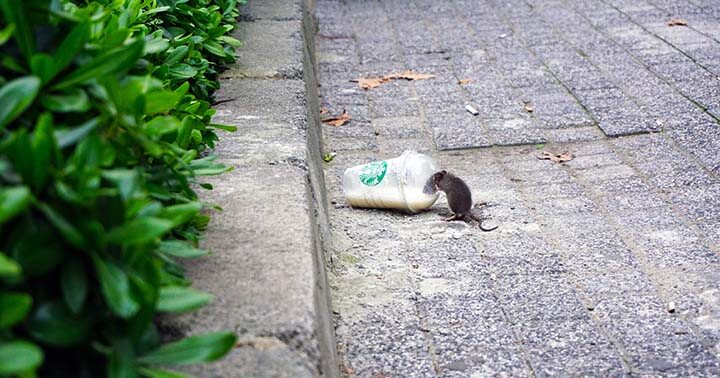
column 104, row 126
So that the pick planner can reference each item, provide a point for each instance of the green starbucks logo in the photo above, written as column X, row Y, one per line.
column 373, row 173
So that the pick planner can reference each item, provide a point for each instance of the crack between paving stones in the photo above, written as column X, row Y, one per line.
column 595, row 121
column 628, row 240
column 421, row 109
column 580, row 294
column 641, row 26
column 563, row 37
column 678, row 215
column 687, row 26
column 466, row 93
column 641, row 62
column 513, row 330
column 507, row 82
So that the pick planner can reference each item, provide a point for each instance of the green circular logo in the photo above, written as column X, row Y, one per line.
column 373, row 173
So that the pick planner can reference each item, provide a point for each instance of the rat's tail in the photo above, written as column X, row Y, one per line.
column 479, row 220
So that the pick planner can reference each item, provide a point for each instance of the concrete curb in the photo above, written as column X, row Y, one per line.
column 267, row 270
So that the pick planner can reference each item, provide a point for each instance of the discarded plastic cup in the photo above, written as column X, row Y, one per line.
column 395, row 183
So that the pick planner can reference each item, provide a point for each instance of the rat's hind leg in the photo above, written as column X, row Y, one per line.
column 454, row 217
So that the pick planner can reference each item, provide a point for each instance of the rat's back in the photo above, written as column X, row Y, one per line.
column 458, row 194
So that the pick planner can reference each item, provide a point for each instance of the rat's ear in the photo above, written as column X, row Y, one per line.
column 444, row 172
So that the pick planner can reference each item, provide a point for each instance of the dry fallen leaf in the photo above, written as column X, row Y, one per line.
column 464, row 81
column 338, row 121
column 410, row 75
column 556, row 158
column 528, row 107
column 370, row 82
column 677, row 22
column 323, row 111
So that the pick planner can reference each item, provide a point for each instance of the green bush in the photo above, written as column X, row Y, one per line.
column 104, row 122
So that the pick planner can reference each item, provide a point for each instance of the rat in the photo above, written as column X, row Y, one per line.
column 458, row 196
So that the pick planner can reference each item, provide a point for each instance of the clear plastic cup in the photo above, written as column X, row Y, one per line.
column 395, row 183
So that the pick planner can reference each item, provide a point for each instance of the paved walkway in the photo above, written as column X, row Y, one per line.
column 607, row 265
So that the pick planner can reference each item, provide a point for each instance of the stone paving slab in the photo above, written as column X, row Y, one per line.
column 607, row 265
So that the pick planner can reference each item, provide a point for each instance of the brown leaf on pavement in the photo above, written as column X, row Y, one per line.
column 410, row 75
column 556, row 158
column 528, row 107
column 464, row 81
column 324, row 111
column 370, row 82
column 338, row 121
column 677, row 22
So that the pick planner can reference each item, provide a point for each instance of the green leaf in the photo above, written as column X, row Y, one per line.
column 187, row 125
column 43, row 149
column 70, row 46
column 181, row 299
column 19, row 151
column 13, row 308
column 176, row 55
column 16, row 96
column 183, row 71
column 161, row 101
column 229, row 128
column 52, row 323
column 161, row 125
column 19, row 357
column 13, row 200
column 73, row 281
column 194, row 349
column 155, row 373
column 230, row 41
column 155, row 43
column 38, row 250
column 67, row 229
column 14, row 13
column 140, row 230
column 42, row 66
column 214, row 48
column 215, row 169
column 8, row 267
column 111, row 62
column 75, row 100
column 126, row 180
column 6, row 33
column 68, row 137
column 180, row 248
column 157, row 10
column 179, row 214
column 115, row 287
column 122, row 361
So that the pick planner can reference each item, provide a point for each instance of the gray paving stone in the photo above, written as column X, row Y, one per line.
column 491, row 362
column 554, row 191
column 628, row 309
column 624, row 185
column 568, row 347
column 661, row 344
column 566, row 206
column 615, row 282
column 364, row 356
column 640, row 201
column 538, row 297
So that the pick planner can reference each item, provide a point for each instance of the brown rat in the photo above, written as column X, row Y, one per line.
column 458, row 196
